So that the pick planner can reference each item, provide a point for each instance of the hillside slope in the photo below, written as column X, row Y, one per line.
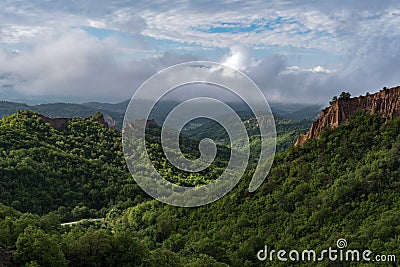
column 345, row 184
column 76, row 167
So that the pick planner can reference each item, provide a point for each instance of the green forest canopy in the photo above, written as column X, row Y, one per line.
column 343, row 185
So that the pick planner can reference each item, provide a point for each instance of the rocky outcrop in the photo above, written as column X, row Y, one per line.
column 110, row 121
column 386, row 103
column 140, row 124
column 61, row 123
column 56, row 123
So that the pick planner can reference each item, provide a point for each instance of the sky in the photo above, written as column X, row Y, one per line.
column 295, row 51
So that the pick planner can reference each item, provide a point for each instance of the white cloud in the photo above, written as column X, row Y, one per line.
column 128, row 21
column 360, row 42
column 20, row 33
column 321, row 69
column 97, row 24
column 74, row 64
column 316, row 69
column 240, row 58
column 340, row 28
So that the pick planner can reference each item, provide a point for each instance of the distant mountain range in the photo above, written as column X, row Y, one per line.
column 114, row 113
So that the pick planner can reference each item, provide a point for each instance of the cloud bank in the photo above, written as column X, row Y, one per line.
column 295, row 51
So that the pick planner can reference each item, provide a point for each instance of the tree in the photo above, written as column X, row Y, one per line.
column 127, row 250
column 345, row 95
column 90, row 248
column 165, row 258
column 34, row 246
column 334, row 99
column 204, row 260
column 8, row 233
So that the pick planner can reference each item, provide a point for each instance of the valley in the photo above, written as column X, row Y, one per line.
column 343, row 184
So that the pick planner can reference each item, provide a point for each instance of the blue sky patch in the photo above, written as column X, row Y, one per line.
column 98, row 32
column 228, row 27
column 256, row 26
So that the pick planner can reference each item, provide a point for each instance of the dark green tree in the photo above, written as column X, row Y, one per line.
column 334, row 99
column 35, row 246
column 345, row 95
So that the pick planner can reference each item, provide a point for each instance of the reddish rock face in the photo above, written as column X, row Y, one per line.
column 386, row 103
column 61, row 123
column 56, row 123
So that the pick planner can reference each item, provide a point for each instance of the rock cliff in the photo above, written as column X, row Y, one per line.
column 386, row 103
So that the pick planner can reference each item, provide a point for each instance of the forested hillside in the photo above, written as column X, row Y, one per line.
column 77, row 172
column 287, row 130
column 343, row 185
